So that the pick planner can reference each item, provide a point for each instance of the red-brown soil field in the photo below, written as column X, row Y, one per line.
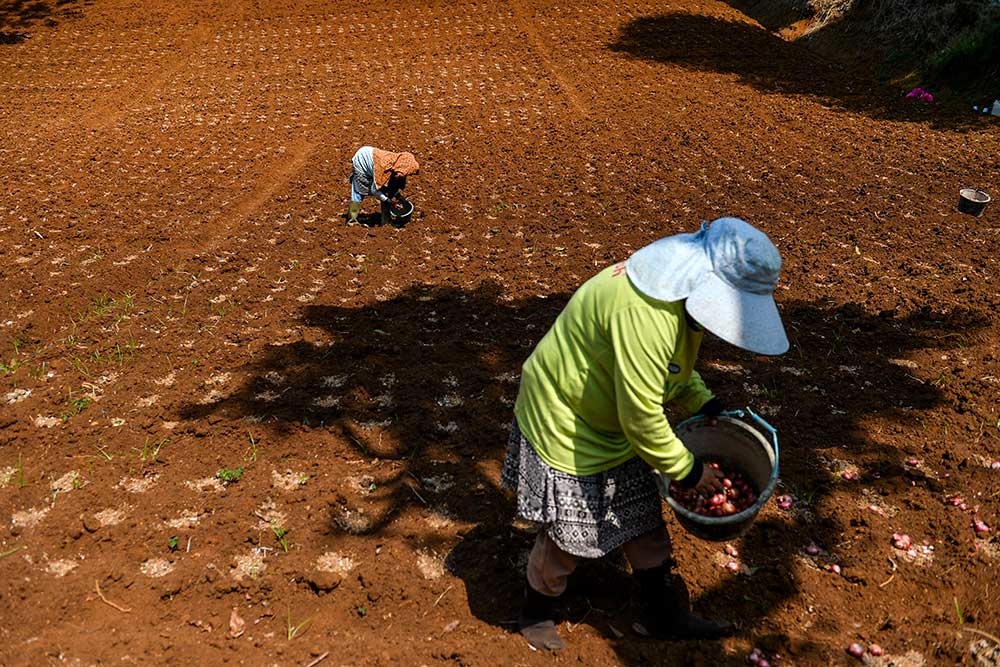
column 182, row 297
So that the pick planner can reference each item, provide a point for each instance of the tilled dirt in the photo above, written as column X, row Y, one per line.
column 185, row 303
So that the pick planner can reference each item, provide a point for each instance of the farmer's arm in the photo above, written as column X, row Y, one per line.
column 382, row 196
column 694, row 394
column 642, row 352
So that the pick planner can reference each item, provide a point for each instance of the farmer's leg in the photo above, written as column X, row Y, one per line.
column 648, row 550
column 549, row 566
column 386, row 207
column 355, row 208
column 548, row 569
column 665, row 612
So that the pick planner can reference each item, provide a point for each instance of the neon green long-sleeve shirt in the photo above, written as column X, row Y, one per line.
column 593, row 390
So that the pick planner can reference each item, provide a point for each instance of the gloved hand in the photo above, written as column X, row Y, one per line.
column 712, row 409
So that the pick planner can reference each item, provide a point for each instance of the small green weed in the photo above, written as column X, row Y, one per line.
column 362, row 612
column 150, row 451
column 251, row 453
column 103, row 452
column 76, row 406
column 10, row 368
column 100, row 305
column 12, row 551
column 20, row 472
column 293, row 631
column 229, row 475
column 281, row 534
column 976, row 50
column 173, row 543
column 38, row 372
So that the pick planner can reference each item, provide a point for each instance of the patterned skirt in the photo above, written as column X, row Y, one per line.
column 588, row 516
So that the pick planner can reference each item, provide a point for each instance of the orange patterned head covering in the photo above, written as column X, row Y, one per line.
column 388, row 163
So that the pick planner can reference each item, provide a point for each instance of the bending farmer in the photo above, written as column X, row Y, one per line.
column 590, row 430
column 379, row 173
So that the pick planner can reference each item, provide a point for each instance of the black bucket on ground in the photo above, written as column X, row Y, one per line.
column 972, row 201
column 401, row 210
column 739, row 446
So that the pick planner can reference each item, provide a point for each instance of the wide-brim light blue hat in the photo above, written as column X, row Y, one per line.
column 727, row 271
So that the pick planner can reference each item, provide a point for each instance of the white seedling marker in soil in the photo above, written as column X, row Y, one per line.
column 183, row 521
column 205, row 484
column 430, row 566
column 288, row 480
column 138, row 484
column 333, row 561
column 47, row 422
column 110, row 517
column 67, row 482
column 61, row 568
column 330, row 401
column 156, row 567
column 438, row 483
column 249, row 565
column 17, row 396
column 28, row 518
column 334, row 381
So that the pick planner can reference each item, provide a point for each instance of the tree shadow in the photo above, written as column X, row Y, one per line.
column 18, row 17
column 426, row 381
column 772, row 65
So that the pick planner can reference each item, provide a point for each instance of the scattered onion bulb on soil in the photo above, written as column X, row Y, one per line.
column 901, row 541
column 733, row 566
column 980, row 527
column 835, row 568
column 813, row 550
column 731, row 551
column 754, row 657
column 995, row 465
column 875, row 650
column 856, row 649
column 849, row 475
column 912, row 461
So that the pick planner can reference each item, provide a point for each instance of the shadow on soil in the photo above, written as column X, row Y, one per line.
column 772, row 65
column 427, row 380
column 18, row 17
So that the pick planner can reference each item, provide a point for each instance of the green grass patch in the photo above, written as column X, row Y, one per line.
column 230, row 475
column 972, row 57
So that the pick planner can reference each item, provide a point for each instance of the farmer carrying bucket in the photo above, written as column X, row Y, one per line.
column 589, row 431
column 381, row 174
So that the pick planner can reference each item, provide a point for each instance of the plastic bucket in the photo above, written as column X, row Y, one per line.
column 972, row 201
column 403, row 212
column 734, row 443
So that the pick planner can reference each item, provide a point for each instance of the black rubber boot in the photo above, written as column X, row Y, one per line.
column 665, row 613
column 537, row 621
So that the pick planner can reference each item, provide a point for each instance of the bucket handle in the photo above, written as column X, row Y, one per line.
column 742, row 415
